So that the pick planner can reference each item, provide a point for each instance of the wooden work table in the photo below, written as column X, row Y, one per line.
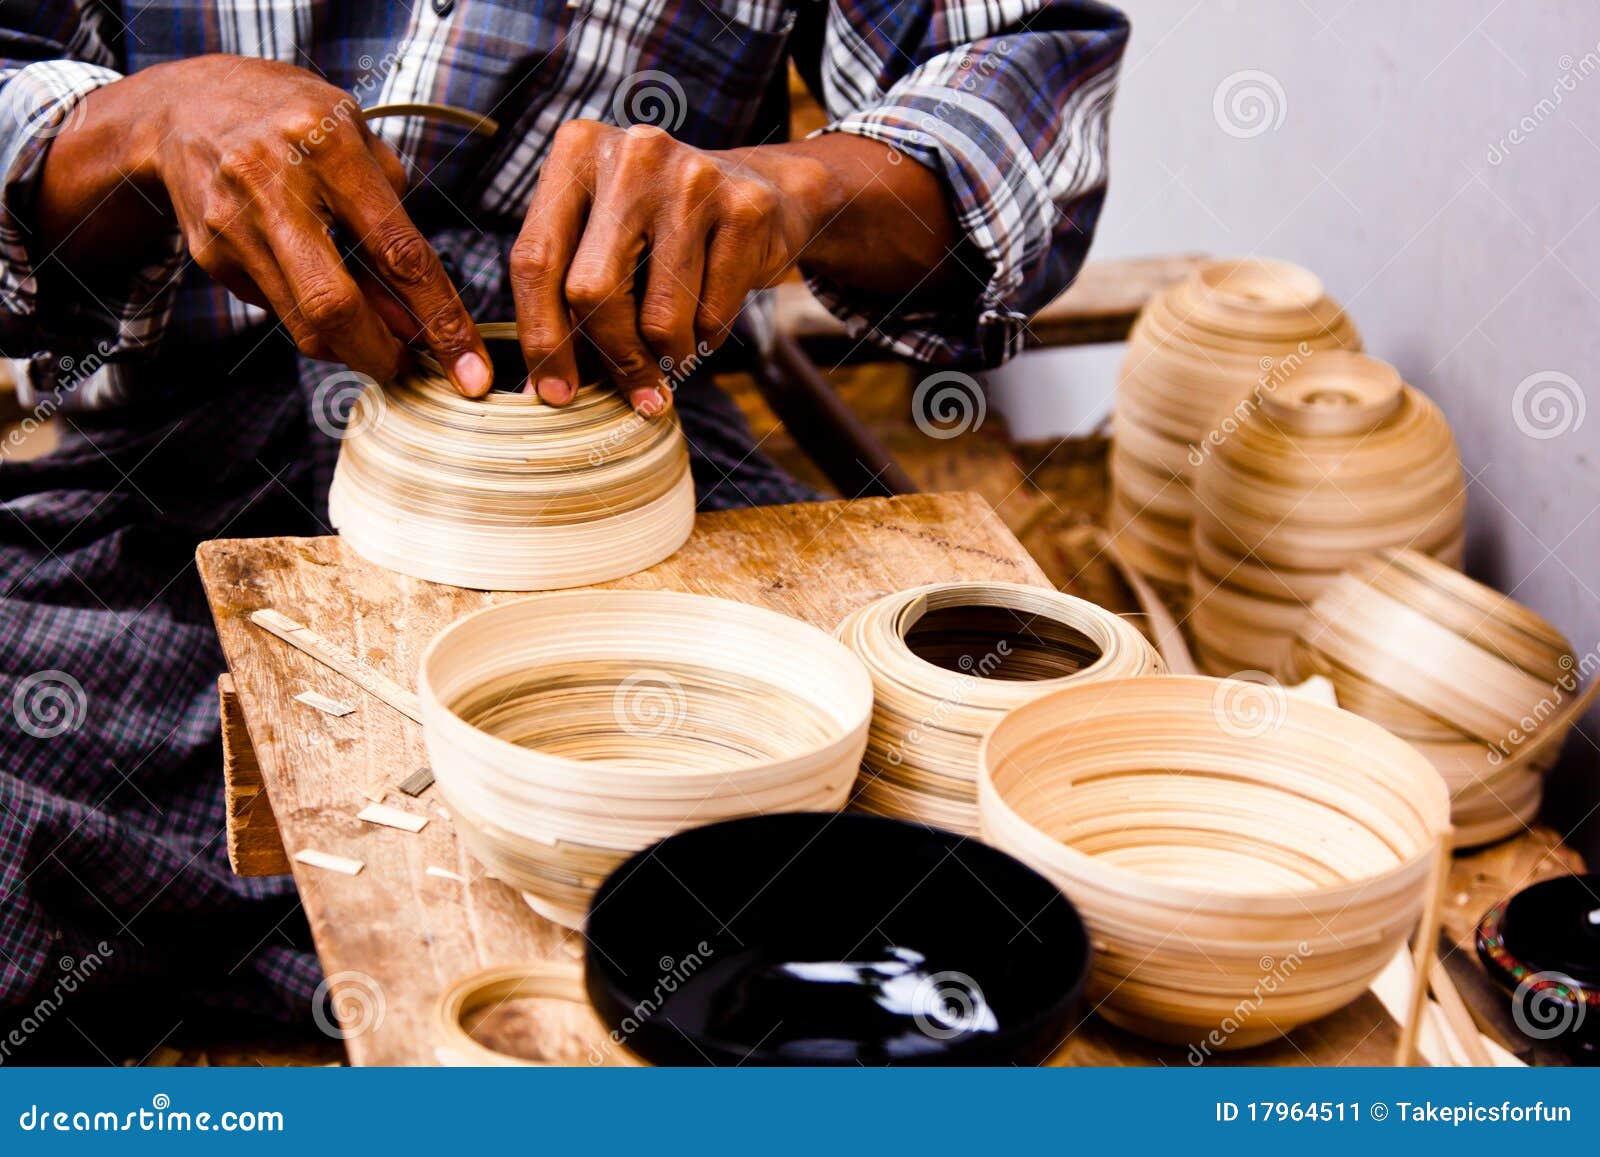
column 402, row 935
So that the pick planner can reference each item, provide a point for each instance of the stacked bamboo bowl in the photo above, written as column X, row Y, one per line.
column 570, row 730
column 1339, row 460
column 947, row 661
column 505, row 492
column 1462, row 672
column 1241, row 872
column 1232, row 329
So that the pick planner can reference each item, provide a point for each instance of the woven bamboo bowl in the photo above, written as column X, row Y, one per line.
column 505, row 492
column 1341, row 459
column 947, row 661
column 1212, row 831
column 1456, row 668
column 1231, row 330
column 570, row 730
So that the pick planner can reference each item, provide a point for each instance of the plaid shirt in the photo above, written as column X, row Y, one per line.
column 110, row 814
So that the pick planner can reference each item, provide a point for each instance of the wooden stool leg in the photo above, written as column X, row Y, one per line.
column 255, row 846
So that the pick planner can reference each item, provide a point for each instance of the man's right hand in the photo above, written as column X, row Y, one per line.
column 260, row 162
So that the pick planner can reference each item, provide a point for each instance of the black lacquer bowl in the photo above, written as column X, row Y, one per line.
column 823, row 939
column 1543, row 945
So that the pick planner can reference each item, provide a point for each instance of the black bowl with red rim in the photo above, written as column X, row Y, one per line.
column 1543, row 945
column 828, row 939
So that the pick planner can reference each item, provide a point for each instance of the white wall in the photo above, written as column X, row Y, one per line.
column 1469, row 261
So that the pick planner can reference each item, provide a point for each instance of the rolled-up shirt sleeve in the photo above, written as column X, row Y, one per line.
column 1007, row 100
column 51, row 58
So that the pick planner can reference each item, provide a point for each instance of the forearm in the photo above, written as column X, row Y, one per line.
column 101, row 208
column 875, row 220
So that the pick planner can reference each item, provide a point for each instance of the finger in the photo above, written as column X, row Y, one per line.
column 253, row 260
column 672, row 298
column 390, row 308
column 728, row 278
column 389, row 163
column 327, row 299
column 600, row 290
column 540, row 260
column 400, row 257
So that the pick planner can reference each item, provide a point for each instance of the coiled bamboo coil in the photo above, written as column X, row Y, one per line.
column 570, row 730
column 1231, row 330
column 1458, row 669
column 505, row 492
column 947, row 661
column 1340, row 460
column 1246, row 860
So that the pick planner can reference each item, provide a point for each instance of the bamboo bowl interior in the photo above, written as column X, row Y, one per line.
column 947, row 660
column 1203, row 825
column 570, row 729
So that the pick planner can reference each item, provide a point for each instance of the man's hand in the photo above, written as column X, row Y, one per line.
column 263, row 165
column 646, row 247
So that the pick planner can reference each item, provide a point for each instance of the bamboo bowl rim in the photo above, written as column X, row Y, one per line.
column 881, row 629
column 848, row 713
column 1132, row 703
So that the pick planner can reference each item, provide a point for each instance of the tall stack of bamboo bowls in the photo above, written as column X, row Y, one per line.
column 1198, row 349
column 507, row 493
column 570, row 730
column 947, row 660
column 1339, row 460
column 1246, row 860
column 1462, row 672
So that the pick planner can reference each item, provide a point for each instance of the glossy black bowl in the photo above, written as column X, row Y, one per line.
column 1543, row 945
column 822, row 939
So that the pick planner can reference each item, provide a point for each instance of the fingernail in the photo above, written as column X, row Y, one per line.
column 649, row 402
column 556, row 391
column 471, row 374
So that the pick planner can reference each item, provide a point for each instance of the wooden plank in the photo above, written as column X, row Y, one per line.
column 255, row 846
column 408, row 933
column 1100, row 306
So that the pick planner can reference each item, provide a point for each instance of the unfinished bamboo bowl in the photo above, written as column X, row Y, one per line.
column 1231, row 331
column 1340, row 460
column 1230, row 846
column 1459, row 670
column 569, row 730
column 947, row 661
column 505, row 492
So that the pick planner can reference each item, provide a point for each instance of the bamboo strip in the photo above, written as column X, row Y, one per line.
column 1230, row 845
column 947, row 661
column 568, row 731
column 505, row 492
column 304, row 639
column 1482, row 686
column 1203, row 351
